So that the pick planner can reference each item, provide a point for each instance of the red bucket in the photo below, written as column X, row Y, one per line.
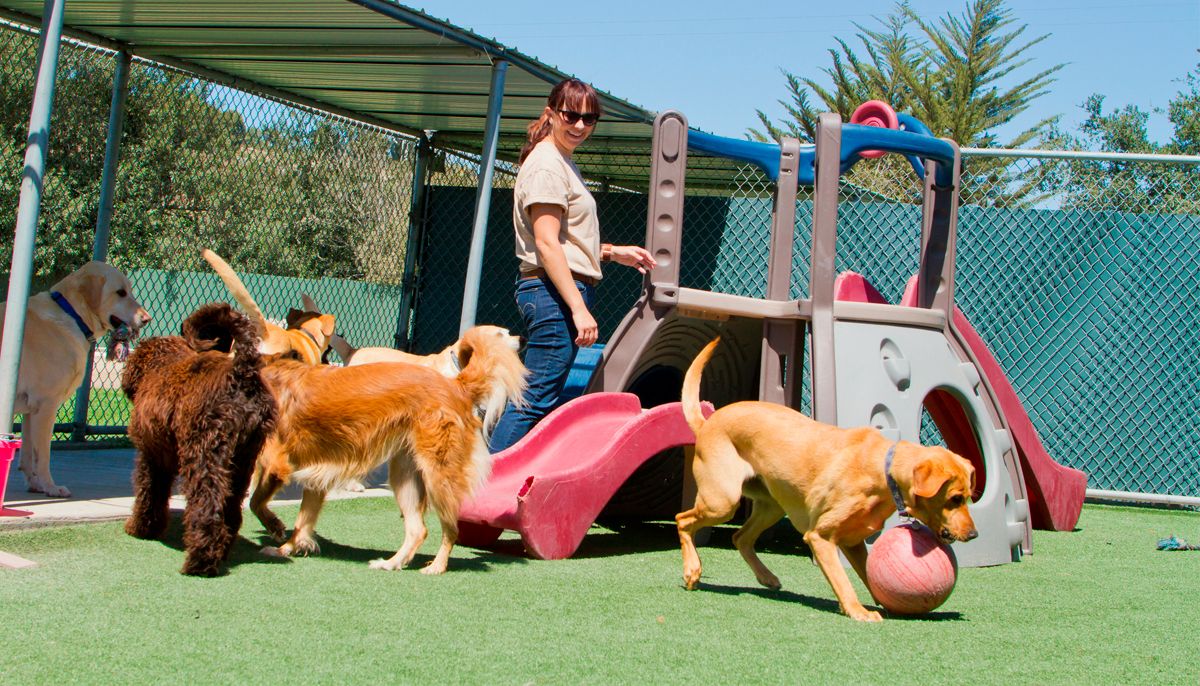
column 8, row 449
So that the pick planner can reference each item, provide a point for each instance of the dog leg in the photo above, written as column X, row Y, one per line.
column 716, row 502
column 205, row 536
column 857, row 555
column 37, row 431
column 243, row 469
column 303, row 542
column 445, row 502
column 151, row 499
column 268, row 485
column 826, row 555
column 763, row 515
column 410, row 498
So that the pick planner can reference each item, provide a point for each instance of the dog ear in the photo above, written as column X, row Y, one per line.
column 92, row 287
column 310, row 305
column 464, row 350
column 327, row 322
column 296, row 317
column 928, row 478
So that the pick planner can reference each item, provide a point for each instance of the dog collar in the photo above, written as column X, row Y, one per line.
column 892, row 485
column 66, row 307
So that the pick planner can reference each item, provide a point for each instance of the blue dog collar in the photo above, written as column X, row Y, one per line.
column 66, row 307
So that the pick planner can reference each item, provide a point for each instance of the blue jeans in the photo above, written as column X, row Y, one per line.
column 549, row 352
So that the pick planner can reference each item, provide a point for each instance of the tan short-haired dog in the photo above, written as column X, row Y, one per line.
column 830, row 482
column 308, row 330
column 445, row 362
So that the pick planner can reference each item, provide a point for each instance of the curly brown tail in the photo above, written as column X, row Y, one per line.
column 217, row 326
column 691, row 387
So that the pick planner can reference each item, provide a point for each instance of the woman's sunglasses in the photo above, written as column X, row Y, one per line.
column 573, row 118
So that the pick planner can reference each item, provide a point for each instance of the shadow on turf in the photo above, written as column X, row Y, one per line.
column 822, row 604
column 242, row 552
column 626, row 537
column 246, row 551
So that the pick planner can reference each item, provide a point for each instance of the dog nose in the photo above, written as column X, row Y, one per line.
column 144, row 316
column 972, row 535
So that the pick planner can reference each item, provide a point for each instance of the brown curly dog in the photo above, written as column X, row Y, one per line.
column 203, row 415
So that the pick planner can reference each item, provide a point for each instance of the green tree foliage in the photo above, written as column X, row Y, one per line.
column 1127, row 185
column 958, row 74
column 292, row 194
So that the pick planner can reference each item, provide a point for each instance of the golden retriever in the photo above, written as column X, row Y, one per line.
column 444, row 362
column 98, row 298
column 831, row 483
column 338, row 423
column 308, row 330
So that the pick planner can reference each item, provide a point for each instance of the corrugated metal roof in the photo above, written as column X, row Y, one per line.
column 372, row 60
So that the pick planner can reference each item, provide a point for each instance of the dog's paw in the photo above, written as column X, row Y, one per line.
column 201, row 567
column 433, row 568
column 278, row 535
column 354, row 486
column 769, row 580
column 55, row 491
column 865, row 615
column 141, row 529
column 388, row 565
column 302, row 546
column 271, row 551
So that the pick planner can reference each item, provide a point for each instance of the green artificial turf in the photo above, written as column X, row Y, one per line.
column 1099, row 605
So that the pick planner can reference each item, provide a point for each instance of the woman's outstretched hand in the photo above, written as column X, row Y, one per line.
column 633, row 256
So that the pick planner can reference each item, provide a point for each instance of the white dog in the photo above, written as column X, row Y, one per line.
column 59, row 325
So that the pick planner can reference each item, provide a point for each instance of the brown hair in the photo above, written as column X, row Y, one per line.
column 569, row 94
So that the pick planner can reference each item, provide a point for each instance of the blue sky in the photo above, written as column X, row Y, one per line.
column 718, row 61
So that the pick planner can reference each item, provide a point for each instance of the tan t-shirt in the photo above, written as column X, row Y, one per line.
column 547, row 177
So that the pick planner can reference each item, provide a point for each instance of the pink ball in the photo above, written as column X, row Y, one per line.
column 909, row 571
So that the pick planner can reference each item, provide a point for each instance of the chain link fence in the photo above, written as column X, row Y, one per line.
column 296, row 201
column 1078, row 272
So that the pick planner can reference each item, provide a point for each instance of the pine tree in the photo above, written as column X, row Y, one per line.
column 953, row 73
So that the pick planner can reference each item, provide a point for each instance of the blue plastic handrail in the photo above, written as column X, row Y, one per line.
column 915, row 143
column 763, row 155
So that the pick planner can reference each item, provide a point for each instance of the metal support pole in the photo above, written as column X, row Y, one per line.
column 483, row 200
column 29, row 208
column 108, row 185
column 416, row 231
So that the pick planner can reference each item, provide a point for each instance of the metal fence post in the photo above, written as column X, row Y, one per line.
column 483, row 200
column 108, row 184
column 416, row 231
column 30, row 206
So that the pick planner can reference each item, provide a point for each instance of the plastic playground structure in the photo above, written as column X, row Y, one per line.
column 871, row 363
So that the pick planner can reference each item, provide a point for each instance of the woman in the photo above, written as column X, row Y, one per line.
column 558, row 245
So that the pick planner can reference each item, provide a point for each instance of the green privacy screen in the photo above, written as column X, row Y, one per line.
column 1092, row 314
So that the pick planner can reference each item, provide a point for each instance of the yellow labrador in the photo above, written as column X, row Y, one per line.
column 837, row 486
column 59, row 325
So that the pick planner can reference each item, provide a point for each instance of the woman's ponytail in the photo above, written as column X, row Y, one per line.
column 536, row 132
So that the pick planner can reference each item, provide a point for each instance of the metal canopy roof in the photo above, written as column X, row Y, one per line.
column 371, row 60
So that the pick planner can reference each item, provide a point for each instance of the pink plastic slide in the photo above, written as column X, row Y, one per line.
column 553, row 484
column 1055, row 492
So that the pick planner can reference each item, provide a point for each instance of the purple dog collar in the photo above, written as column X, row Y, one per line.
column 892, row 485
